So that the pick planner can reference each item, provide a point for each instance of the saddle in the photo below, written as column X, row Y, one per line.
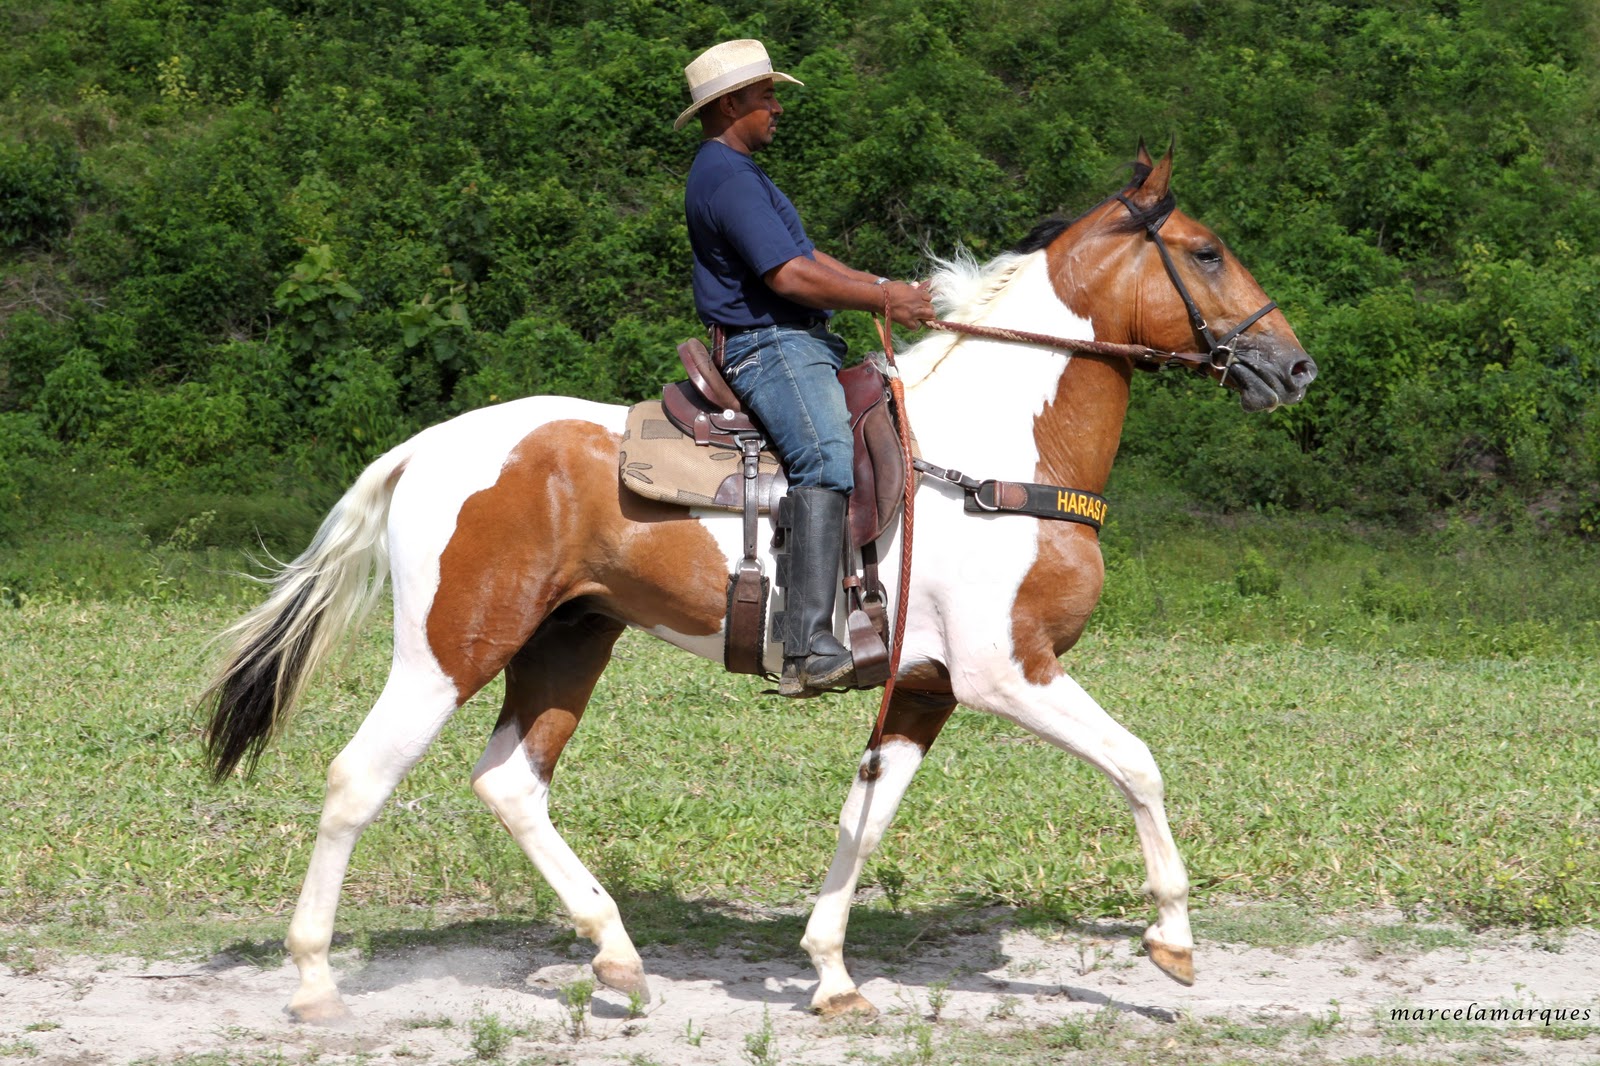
column 705, row 408
column 697, row 446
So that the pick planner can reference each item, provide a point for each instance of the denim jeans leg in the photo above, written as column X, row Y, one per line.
column 788, row 378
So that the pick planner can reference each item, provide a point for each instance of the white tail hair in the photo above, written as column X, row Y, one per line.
column 318, row 601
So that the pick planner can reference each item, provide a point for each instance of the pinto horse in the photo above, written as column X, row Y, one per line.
column 512, row 548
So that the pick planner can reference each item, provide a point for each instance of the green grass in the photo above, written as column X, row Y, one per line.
column 1458, row 591
column 1314, row 776
column 1331, row 740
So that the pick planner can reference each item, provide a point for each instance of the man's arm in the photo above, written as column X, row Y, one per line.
column 850, row 272
column 827, row 284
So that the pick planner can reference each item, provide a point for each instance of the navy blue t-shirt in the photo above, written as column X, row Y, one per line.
column 740, row 226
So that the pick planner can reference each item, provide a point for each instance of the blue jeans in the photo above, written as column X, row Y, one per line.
column 787, row 377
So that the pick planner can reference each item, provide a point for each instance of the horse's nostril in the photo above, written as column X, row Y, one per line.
column 1303, row 372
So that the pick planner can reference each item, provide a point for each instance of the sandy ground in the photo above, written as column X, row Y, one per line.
column 429, row 1004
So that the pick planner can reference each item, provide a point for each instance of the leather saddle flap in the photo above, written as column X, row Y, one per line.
column 697, row 416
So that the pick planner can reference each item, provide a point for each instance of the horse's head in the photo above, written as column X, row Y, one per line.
column 1145, row 273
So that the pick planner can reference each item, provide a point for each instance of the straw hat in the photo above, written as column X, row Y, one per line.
column 725, row 67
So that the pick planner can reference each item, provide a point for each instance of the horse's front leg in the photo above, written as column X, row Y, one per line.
column 1056, row 708
column 914, row 720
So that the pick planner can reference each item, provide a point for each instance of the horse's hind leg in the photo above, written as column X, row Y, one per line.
column 548, row 685
column 414, row 705
column 914, row 720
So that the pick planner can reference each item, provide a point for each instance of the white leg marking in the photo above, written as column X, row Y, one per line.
column 408, row 715
column 867, row 813
column 505, row 779
column 1068, row 717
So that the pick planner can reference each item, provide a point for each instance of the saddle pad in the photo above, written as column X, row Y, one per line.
column 659, row 463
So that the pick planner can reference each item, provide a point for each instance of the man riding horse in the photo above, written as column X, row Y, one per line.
column 766, row 292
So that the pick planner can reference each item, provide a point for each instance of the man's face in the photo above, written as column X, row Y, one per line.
column 758, row 110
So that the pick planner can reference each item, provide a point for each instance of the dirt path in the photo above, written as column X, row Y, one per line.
column 1086, row 991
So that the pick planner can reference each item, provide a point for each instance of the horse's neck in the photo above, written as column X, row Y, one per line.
column 997, row 409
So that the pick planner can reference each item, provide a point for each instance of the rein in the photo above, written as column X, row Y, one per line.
column 1137, row 354
column 897, row 392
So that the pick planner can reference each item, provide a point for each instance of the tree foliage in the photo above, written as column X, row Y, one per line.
column 299, row 230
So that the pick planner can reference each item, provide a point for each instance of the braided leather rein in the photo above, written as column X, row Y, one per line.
column 1134, row 353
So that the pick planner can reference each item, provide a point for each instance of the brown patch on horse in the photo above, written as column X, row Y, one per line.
column 557, row 526
column 928, row 677
column 915, row 716
column 1076, row 434
column 549, row 682
column 1057, row 597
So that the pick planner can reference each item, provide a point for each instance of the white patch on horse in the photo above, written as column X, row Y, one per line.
column 972, row 404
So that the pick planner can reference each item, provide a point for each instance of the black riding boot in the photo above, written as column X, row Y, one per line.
column 813, row 659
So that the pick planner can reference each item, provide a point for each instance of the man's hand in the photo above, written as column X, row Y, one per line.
column 908, row 303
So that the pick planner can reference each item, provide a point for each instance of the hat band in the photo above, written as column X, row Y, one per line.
column 729, row 79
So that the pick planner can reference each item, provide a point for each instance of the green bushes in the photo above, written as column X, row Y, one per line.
column 38, row 190
column 25, row 449
column 414, row 208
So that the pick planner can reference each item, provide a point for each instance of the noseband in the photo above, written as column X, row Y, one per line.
column 1220, row 354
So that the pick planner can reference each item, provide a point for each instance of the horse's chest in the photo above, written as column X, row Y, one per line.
column 1061, row 587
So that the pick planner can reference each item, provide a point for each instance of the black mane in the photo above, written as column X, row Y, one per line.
column 1042, row 235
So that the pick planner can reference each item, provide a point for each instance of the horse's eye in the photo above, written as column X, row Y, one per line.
column 1208, row 256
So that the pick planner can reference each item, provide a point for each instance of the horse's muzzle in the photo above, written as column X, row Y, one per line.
column 1268, row 378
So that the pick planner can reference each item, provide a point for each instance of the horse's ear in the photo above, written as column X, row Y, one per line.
column 1153, row 189
column 1142, row 156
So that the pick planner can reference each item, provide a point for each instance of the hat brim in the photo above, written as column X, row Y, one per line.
column 776, row 75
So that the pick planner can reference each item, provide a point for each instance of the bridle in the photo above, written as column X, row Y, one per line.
column 1219, row 355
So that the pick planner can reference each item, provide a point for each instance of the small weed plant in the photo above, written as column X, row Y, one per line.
column 938, row 999
column 761, row 1046
column 491, row 1038
column 576, row 997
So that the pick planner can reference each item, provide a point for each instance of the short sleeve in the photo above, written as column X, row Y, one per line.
column 744, row 211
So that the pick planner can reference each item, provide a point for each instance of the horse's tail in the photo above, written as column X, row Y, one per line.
column 317, row 600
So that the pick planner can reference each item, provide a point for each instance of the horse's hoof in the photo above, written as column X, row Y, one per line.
column 625, row 977
column 328, row 1012
column 850, row 1004
column 1176, row 963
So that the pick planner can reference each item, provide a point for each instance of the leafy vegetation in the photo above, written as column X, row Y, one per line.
column 249, row 243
